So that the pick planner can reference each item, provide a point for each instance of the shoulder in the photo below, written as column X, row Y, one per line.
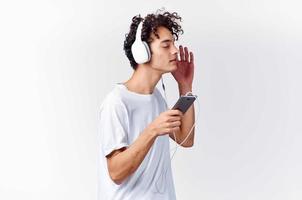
column 113, row 100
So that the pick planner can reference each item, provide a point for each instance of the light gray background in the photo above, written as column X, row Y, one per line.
column 60, row 58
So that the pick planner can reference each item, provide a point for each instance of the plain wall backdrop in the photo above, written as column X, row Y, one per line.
column 59, row 59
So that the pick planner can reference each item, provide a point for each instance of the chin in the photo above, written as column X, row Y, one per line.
column 174, row 68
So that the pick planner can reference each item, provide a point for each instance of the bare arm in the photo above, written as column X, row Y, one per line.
column 184, row 77
column 187, row 122
column 125, row 161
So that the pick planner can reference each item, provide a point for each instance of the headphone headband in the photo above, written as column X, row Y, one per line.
column 138, row 35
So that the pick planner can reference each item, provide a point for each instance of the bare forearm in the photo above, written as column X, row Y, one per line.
column 187, row 120
column 127, row 162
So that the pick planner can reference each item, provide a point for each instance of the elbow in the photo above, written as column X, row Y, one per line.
column 117, row 181
column 115, row 178
column 118, row 176
column 188, row 145
column 190, row 141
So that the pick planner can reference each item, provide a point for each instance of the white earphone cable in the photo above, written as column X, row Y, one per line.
column 164, row 171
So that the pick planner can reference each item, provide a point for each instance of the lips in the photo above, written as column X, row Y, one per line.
column 173, row 60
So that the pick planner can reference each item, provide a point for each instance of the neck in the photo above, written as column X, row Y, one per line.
column 143, row 80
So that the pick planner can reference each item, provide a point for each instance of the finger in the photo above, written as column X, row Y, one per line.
column 191, row 57
column 174, row 118
column 171, row 130
column 175, row 112
column 175, row 129
column 174, row 124
column 181, row 53
column 186, row 54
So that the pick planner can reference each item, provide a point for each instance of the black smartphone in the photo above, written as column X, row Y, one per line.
column 184, row 103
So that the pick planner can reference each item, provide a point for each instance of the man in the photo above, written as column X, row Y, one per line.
column 135, row 125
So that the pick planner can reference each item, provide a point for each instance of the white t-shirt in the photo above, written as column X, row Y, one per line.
column 123, row 116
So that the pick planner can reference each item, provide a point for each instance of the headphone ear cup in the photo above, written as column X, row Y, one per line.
column 148, row 52
column 141, row 52
column 140, row 49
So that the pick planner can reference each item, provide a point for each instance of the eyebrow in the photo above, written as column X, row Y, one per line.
column 167, row 40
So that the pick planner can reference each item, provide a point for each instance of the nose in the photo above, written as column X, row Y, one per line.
column 174, row 50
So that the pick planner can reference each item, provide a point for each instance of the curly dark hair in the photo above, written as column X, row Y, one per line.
column 150, row 25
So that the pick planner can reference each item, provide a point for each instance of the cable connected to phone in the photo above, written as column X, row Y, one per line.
column 164, row 171
column 174, row 135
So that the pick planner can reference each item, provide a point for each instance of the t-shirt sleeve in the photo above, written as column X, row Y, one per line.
column 113, row 127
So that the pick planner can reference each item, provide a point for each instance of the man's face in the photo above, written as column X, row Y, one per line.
column 164, row 52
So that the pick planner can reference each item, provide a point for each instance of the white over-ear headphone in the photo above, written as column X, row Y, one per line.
column 140, row 49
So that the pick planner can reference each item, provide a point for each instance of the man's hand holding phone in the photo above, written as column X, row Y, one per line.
column 167, row 122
